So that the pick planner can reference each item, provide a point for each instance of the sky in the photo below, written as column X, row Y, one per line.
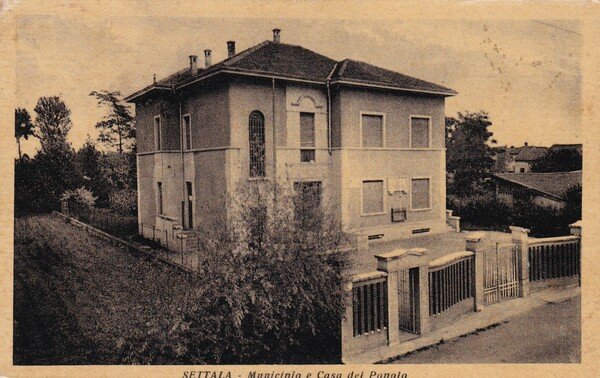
column 524, row 73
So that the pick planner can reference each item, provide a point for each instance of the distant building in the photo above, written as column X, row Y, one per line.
column 559, row 147
column 518, row 159
column 546, row 189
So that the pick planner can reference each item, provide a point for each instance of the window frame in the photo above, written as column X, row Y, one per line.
column 383, row 128
column 185, row 137
column 429, row 132
column 410, row 199
column 158, row 133
column 383, row 193
column 264, row 157
column 312, row 148
column 160, row 198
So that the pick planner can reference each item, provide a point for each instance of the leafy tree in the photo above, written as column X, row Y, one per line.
column 53, row 121
column 88, row 162
column 117, row 129
column 468, row 155
column 23, row 127
column 563, row 160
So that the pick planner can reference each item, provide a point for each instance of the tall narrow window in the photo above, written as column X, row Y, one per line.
column 160, row 197
column 372, row 197
column 372, row 130
column 157, row 133
column 419, row 192
column 190, row 193
column 187, row 132
column 307, row 137
column 419, row 132
column 256, row 134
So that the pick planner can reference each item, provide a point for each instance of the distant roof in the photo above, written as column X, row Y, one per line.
column 530, row 153
column 554, row 184
column 296, row 62
column 577, row 146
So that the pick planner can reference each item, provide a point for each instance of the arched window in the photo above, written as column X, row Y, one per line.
column 256, row 135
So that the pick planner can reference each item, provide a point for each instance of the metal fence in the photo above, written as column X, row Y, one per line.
column 370, row 306
column 408, row 300
column 500, row 273
column 450, row 284
column 551, row 258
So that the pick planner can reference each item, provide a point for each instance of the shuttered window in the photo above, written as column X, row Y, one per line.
column 187, row 132
column 307, row 137
column 157, row 133
column 420, row 196
column 160, row 197
column 372, row 197
column 372, row 130
column 419, row 132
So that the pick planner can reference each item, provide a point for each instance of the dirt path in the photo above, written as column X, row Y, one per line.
column 548, row 334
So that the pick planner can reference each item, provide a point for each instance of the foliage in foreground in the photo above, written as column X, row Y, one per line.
column 267, row 292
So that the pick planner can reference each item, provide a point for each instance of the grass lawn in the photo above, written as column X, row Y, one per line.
column 80, row 300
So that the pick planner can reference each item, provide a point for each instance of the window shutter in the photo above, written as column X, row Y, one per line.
column 307, row 130
column 372, row 131
column 372, row 197
column 420, row 194
column 419, row 132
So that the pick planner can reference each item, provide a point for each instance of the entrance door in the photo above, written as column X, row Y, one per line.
column 501, row 273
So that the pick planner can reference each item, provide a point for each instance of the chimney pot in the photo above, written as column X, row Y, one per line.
column 526, row 144
column 207, row 58
column 276, row 37
column 154, row 76
column 230, row 48
column 193, row 64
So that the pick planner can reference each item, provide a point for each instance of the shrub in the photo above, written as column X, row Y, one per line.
column 123, row 202
column 481, row 210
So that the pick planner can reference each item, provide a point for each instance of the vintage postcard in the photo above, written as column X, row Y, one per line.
column 299, row 190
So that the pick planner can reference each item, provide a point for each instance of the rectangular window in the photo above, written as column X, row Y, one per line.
column 307, row 137
column 160, row 197
column 187, row 132
column 420, row 197
column 372, row 130
column 419, row 132
column 372, row 197
column 157, row 133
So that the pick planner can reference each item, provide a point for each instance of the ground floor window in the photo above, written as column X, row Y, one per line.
column 372, row 197
column 419, row 192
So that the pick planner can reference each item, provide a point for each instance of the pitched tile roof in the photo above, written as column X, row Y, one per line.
column 554, row 184
column 296, row 62
column 530, row 153
column 361, row 72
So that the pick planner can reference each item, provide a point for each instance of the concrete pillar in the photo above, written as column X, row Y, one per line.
column 476, row 242
column 575, row 228
column 520, row 237
column 393, row 262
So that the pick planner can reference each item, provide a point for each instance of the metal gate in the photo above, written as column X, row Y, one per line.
column 501, row 273
column 408, row 300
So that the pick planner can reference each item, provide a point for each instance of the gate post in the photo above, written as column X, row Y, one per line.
column 391, row 263
column 347, row 330
column 476, row 243
column 520, row 237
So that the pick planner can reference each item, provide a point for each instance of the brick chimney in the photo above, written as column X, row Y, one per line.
column 276, row 38
column 230, row 48
column 207, row 58
column 526, row 144
column 193, row 64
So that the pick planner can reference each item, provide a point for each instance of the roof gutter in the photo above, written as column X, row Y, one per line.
column 144, row 91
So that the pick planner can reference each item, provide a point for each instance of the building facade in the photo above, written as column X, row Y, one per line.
column 369, row 139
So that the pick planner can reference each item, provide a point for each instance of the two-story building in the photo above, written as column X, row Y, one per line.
column 369, row 139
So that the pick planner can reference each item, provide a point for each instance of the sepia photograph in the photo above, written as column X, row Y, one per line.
column 194, row 189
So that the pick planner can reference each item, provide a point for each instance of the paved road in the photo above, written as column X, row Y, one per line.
column 551, row 333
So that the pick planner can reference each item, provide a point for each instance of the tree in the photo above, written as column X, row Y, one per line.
column 564, row 160
column 53, row 121
column 117, row 129
column 468, row 155
column 23, row 127
column 88, row 161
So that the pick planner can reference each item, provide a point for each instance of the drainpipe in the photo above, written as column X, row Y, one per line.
column 183, row 188
column 274, row 133
column 328, row 117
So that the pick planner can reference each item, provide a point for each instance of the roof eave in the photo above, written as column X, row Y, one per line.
column 145, row 91
column 392, row 87
column 545, row 194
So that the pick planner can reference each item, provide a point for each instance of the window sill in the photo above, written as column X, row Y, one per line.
column 265, row 178
column 417, row 210
column 372, row 214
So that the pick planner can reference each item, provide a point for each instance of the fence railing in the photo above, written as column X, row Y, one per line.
column 451, row 280
column 369, row 303
column 551, row 258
